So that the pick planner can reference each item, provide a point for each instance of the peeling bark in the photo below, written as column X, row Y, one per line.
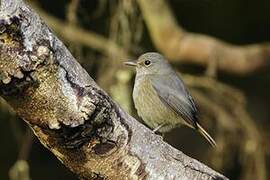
column 75, row 119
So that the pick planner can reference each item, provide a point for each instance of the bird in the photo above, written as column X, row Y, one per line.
column 161, row 97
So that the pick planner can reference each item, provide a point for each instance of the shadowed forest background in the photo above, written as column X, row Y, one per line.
column 232, row 94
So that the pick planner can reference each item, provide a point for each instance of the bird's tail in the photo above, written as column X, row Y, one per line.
column 206, row 136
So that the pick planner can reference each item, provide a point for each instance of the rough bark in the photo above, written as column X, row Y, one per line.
column 187, row 47
column 75, row 119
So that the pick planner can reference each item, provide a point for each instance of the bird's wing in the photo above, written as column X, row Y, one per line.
column 172, row 92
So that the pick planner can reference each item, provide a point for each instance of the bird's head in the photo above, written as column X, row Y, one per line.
column 150, row 63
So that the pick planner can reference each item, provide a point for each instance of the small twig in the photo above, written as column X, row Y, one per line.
column 212, row 67
column 26, row 145
column 72, row 11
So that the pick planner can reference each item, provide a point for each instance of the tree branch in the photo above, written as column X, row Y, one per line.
column 76, row 34
column 186, row 47
column 75, row 119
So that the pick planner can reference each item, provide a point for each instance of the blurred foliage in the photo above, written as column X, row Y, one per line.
column 20, row 171
column 236, row 109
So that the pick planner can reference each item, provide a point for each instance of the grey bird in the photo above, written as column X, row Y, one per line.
column 161, row 98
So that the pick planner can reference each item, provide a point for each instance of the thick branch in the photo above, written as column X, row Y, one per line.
column 181, row 46
column 71, row 115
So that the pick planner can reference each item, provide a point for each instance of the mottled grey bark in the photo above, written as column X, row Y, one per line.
column 75, row 119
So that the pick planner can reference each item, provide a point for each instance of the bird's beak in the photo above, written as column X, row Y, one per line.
column 130, row 63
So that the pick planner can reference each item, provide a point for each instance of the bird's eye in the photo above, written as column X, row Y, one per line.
column 147, row 62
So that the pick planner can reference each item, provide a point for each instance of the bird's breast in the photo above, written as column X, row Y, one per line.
column 149, row 107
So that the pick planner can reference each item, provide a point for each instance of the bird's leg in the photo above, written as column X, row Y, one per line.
column 161, row 135
column 157, row 128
